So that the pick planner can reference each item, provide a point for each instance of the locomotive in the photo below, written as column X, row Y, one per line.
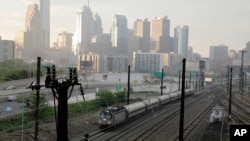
column 113, row 116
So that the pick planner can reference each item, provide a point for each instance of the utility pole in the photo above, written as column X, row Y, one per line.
column 230, row 94
column 228, row 77
column 182, row 100
column 241, row 82
column 161, row 80
column 128, row 85
column 37, row 87
column 60, row 92
column 190, row 77
column 179, row 86
column 196, row 84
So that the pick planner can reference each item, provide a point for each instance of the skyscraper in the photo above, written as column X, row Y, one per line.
column 181, row 40
column 218, row 52
column 45, row 20
column 160, row 39
column 32, row 19
column 247, row 54
column 142, row 31
column 218, row 57
column 30, row 42
column 87, row 26
column 119, row 34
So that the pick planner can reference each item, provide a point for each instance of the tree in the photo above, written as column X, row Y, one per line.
column 106, row 98
column 120, row 96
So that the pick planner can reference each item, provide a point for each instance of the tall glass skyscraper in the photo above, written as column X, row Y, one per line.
column 87, row 26
column 119, row 34
column 45, row 19
column 181, row 40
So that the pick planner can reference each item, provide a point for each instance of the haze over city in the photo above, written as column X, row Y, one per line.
column 210, row 22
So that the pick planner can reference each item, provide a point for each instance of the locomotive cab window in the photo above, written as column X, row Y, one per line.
column 102, row 115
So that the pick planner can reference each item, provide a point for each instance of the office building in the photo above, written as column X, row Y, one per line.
column 115, row 63
column 247, row 53
column 149, row 62
column 45, row 20
column 218, row 58
column 30, row 41
column 87, row 26
column 181, row 40
column 119, row 34
column 7, row 49
column 142, row 33
column 161, row 42
column 218, row 52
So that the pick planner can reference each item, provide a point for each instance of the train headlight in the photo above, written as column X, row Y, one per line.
column 109, row 122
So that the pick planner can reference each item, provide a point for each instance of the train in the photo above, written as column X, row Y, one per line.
column 113, row 116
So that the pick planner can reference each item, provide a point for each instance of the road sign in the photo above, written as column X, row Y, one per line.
column 158, row 74
column 118, row 88
column 8, row 108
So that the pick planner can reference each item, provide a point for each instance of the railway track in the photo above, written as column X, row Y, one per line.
column 136, row 129
column 239, row 114
column 192, row 125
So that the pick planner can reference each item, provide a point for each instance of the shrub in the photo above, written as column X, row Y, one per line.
column 105, row 97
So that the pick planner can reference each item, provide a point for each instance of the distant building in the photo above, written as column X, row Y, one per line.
column 87, row 27
column 7, row 49
column 101, row 44
column 142, row 32
column 149, row 62
column 181, row 40
column 115, row 63
column 30, row 42
column 84, row 30
column 45, row 20
column 89, row 63
column 119, row 34
column 218, row 58
column 161, row 42
column 232, row 54
column 64, row 40
column 218, row 52
column 247, row 54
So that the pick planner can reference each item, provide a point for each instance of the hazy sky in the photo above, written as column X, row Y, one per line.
column 211, row 22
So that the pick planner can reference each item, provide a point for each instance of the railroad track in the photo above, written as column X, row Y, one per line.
column 135, row 131
column 239, row 114
column 192, row 125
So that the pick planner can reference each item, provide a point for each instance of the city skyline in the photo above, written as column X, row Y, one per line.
column 210, row 23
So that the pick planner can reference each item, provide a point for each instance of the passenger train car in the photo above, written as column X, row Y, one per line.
column 113, row 116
